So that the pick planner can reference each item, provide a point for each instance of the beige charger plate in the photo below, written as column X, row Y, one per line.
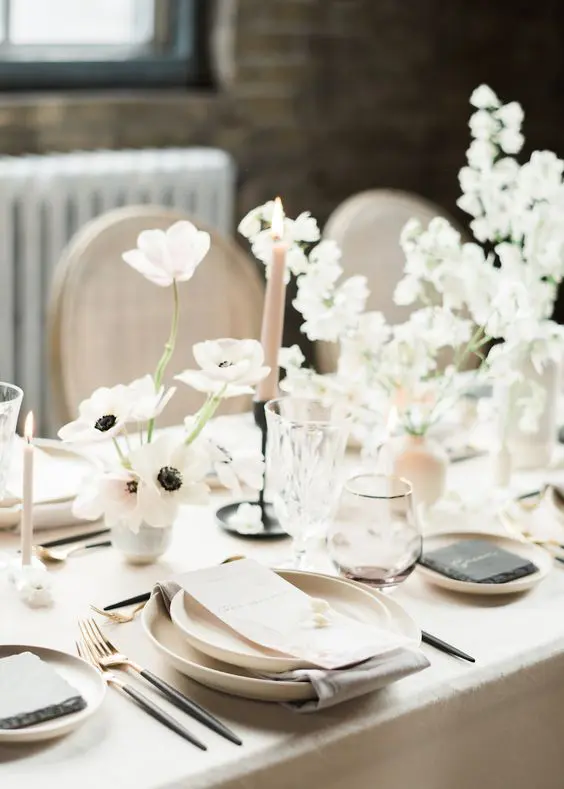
column 81, row 675
column 213, row 673
column 538, row 556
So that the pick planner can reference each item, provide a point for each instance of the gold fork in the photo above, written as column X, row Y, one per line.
column 87, row 652
column 108, row 656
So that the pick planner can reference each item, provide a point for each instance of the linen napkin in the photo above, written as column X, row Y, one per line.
column 337, row 685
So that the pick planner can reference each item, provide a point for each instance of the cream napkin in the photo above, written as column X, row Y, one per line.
column 335, row 686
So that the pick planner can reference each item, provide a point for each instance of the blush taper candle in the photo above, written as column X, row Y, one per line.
column 274, row 303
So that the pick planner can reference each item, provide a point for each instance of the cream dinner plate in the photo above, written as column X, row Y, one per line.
column 208, row 634
column 237, row 681
column 54, row 507
column 79, row 674
column 541, row 558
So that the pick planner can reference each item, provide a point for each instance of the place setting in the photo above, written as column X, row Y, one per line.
column 283, row 559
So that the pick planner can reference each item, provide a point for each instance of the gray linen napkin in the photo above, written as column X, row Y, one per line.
column 337, row 685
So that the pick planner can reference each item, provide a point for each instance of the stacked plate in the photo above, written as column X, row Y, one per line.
column 59, row 472
column 199, row 646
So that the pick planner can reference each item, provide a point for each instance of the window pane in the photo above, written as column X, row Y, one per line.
column 80, row 22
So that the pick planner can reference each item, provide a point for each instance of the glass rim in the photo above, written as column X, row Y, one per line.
column 269, row 409
column 368, row 475
column 16, row 388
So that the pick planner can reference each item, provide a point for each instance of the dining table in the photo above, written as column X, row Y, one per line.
column 497, row 723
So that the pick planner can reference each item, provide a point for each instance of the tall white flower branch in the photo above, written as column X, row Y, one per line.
column 471, row 295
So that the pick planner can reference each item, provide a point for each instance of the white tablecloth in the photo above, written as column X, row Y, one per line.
column 498, row 724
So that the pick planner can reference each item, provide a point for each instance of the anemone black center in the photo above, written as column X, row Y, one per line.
column 105, row 423
column 225, row 363
column 132, row 486
column 169, row 478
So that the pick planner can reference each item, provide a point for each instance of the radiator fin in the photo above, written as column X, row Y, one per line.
column 44, row 200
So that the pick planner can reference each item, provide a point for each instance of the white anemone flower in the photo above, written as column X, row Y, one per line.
column 227, row 367
column 146, row 402
column 234, row 468
column 167, row 256
column 102, row 415
column 112, row 495
column 170, row 474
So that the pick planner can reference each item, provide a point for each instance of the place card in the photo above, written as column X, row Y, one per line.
column 478, row 561
column 264, row 608
column 31, row 692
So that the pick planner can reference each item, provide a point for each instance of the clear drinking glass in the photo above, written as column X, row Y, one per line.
column 306, row 446
column 10, row 402
column 376, row 537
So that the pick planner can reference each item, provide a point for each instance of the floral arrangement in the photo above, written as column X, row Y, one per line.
column 153, row 475
column 468, row 294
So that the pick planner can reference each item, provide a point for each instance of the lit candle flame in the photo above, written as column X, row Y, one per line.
column 28, row 427
column 277, row 224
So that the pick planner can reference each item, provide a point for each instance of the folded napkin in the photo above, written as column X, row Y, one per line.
column 333, row 686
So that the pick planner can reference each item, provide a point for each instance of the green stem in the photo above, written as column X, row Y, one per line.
column 167, row 354
column 476, row 341
column 119, row 450
column 204, row 415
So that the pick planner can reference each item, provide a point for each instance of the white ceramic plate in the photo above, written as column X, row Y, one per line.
column 79, row 674
column 172, row 645
column 57, row 511
column 208, row 634
column 540, row 557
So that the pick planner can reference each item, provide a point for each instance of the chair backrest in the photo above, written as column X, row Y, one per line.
column 367, row 228
column 108, row 324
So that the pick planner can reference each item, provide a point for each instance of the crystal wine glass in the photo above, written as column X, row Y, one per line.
column 376, row 537
column 306, row 446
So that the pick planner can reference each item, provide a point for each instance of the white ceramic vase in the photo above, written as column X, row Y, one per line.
column 144, row 546
column 423, row 463
column 530, row 450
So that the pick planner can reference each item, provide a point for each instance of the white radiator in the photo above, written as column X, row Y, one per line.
column 45, row 199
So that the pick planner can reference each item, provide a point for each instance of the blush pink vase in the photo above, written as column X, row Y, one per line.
column 423, row 463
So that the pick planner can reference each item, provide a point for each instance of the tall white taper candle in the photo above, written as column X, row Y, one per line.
column 27, row 505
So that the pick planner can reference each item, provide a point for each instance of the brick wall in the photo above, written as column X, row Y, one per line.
column 321, row 98
column 318, row 99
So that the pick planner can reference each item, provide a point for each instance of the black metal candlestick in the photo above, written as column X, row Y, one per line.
column 270, row 525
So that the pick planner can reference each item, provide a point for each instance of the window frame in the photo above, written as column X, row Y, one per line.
column 175, row 58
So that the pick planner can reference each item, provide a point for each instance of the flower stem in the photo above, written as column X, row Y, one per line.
column 167, row 354
column 119, row 450
column 204, row 415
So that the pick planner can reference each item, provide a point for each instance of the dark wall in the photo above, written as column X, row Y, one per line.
column 318, row 99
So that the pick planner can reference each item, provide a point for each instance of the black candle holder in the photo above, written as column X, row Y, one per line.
column 270, row 525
